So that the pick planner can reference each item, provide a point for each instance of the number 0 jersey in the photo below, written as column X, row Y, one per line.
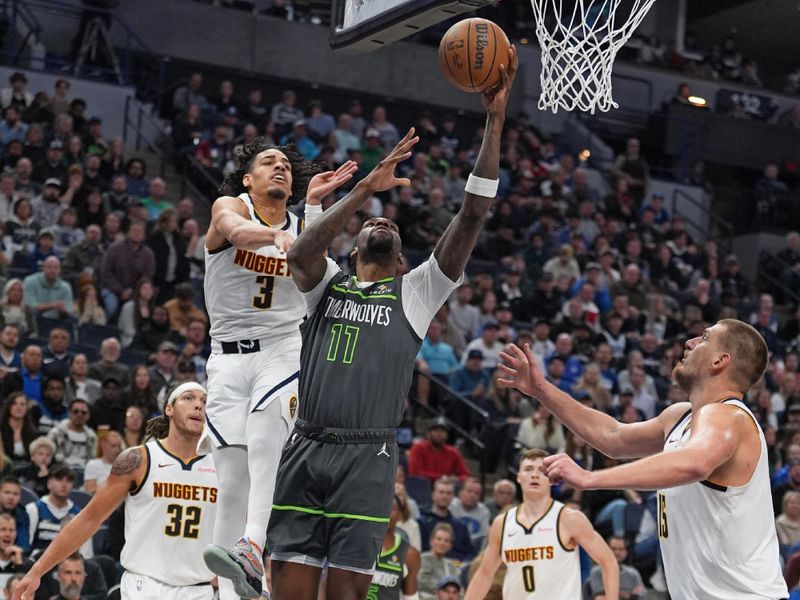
column 539, row 566
column 719, row 542
column 169, row 518
column 250, row 294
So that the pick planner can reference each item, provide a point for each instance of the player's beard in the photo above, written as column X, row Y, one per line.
column 378, row 249
column 683, row 378
column 276, row 193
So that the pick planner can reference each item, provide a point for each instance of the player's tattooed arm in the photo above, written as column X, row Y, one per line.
column 127, row 462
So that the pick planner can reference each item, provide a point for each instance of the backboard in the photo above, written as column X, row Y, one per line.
column 364, row 25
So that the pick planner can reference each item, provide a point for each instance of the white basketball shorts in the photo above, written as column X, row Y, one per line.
column 140, row 587
column 240, row 384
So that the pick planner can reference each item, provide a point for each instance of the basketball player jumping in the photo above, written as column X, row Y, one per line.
column 170, row 496
column 537, row 542
column 336, row 476
column 255, row 312
column 707, row 457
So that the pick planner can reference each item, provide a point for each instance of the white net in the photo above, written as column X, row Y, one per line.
column 579, row 41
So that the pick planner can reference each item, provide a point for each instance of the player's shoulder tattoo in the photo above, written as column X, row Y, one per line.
column 127, row 462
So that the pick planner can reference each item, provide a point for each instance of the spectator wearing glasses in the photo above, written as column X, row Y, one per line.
column 76, row 443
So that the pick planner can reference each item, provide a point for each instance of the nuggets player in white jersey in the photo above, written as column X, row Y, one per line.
column 255, row 311
column 170, row 496
column 707, row 457
column 538, row 542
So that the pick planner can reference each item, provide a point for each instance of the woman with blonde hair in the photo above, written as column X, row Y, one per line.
column 542, row 430
column 591, row 381
column 14, row 311
column 35, row 474
column 434, row 563
column 407, row 523
column 98, row 469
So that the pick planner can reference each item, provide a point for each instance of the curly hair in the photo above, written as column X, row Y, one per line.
column 302, row 170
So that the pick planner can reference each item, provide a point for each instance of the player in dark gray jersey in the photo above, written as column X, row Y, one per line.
column 336, row 476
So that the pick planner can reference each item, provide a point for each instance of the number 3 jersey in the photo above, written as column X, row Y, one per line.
column 169, row 518
column 539, row 566
column 250, row 293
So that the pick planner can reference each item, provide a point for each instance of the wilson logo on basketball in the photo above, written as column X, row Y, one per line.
column 481, row 41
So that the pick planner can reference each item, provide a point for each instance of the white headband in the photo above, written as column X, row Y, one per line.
column 185, row 387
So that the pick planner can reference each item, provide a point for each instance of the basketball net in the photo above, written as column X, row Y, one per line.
column 579, row 47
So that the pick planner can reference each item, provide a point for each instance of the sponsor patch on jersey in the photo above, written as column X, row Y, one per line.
column 381, row 289
column 292, row 407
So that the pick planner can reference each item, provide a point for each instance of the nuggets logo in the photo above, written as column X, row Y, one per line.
column 292, row 407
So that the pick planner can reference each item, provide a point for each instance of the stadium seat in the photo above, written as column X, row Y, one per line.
column 25, row 342
column 91, row 352
column 93, row 335
column 419, row 489
column 45, row 326
column 27, row 496
column 130, row 358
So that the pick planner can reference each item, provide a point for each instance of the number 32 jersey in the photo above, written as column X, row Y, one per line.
column 250, row 294
column 169, row 518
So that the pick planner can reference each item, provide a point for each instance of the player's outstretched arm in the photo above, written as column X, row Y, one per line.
column 458, row 240
column 482, row 580
column 128, row 469
column 229, row 224
column 306, row 258
column 577, row 528
column 601, row 431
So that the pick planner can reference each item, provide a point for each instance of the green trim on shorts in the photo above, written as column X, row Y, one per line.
column 327, row 515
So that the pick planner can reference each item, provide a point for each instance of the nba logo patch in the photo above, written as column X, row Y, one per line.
column 292, row 407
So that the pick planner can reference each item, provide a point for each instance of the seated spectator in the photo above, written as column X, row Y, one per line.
column 47, row 207
column 21, row 230
column 788, row 524
column 34, row 475
column 136, row 183
column 51, row 410
column 436, row 358
column 12, row 555
column 29, row 376
column 434, row 564
column 449, row 588
column 139, row 393
column 50, row 513
column 98, row 469
column 573, row 365
column 563, row 265
column 464, row 316
column 134, row 427
column 169, row 249
column 631, row 586
column 542, row 430
column 489, row 346
column 407, row 523
column 78, row 383
column 439, row 512
column 468, row 508
column 154, row 332
column 56, row 357
column 85, row 257
column 10, row 496
column 181, row 309
column 88, row 308
column 15, row 311
column 109, row 365
column 591, row 383
column 125, row 263
column 47, row 293
column 10, row 359
column 16, row 429
column 162, row 373
column 135, row 313
column 471, row 379
column 41, row 251
column 75, row 442
column 789, row 261
column 196, row 350
column 433, row 458
column 109, row 409
column 503, row 496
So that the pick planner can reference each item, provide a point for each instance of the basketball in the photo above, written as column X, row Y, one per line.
column 471, row 52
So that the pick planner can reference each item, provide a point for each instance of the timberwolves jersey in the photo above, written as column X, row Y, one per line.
column 250, row 294
column 539, row 566
column 719, row 542
column 390, row 570
column 358, row 356
column 169, row 518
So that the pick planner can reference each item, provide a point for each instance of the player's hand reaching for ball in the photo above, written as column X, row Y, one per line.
column 521, row 371
column 283, row 240
column 496, row 99
column 561, row 468
column 323, row 184
column 382, row 177
column 27, row 587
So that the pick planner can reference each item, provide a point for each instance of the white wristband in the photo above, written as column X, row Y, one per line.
column 413, row 596
column 482, row 187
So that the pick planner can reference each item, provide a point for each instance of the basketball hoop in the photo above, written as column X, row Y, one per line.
column 578, row 49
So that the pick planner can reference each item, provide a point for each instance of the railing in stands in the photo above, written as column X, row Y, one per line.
column 139, row 64
column 774, row 282
column 724, row 228
column 135, row 114
column 197, row 179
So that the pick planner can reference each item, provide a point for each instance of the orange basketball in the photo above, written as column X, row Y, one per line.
column 471, row 52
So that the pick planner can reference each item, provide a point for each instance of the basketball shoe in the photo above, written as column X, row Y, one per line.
column 241, row 564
